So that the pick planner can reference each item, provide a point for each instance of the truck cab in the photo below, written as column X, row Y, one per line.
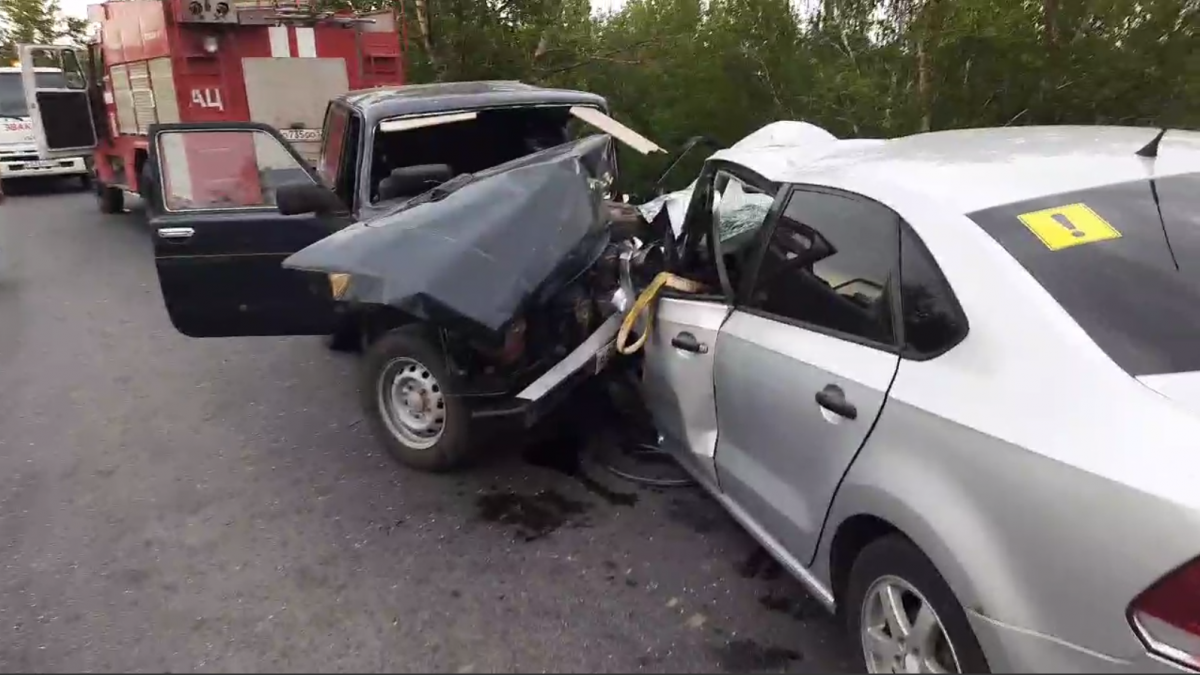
column 19, row 157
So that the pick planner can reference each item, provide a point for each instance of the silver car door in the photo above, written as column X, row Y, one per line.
column 677, row 372
column 805, row 361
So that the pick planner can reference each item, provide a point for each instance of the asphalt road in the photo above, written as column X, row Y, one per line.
column 170, row 504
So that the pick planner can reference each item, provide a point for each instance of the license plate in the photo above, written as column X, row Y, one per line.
column 604, row 356
column 294, row 135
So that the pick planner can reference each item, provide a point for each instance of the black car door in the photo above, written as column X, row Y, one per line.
column 219, row 238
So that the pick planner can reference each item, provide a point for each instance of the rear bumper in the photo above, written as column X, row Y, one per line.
column 68, row 166
column 1013, row 650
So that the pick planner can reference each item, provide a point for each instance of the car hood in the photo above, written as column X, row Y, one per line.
column 472, row 253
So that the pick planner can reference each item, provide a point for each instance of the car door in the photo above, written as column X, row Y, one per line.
column 56, row 95
column 677, row 368
column 219, row 238
column 805, row 360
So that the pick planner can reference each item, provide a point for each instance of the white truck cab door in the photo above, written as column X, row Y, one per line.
column 59, row 106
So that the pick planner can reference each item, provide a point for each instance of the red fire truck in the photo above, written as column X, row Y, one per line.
column 196, row 61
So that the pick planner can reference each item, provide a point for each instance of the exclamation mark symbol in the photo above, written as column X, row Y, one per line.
column 1066, row 222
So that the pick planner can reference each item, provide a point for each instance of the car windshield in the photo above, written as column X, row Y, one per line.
column 12, row 94
column 1128, row 279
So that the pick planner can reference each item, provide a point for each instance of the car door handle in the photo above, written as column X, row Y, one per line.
column 688, row 343
column 833, row 399
column 175, row 233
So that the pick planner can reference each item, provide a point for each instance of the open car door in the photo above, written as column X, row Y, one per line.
column 219, row 237
column 59, row 106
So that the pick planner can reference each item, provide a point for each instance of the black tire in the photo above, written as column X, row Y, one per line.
column 111, row 199
column 145, row 183
column 452, row 450
column 85, row 181
column 346, row 338
column 895, row 556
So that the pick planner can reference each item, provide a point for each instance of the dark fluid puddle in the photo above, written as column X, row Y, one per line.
column 800, row 609
column 747, row 656
column 532, row 516
column 760, row 565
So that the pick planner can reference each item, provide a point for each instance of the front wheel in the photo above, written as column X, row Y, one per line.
column 111, row 199
column 904, row 616
column 406, row 396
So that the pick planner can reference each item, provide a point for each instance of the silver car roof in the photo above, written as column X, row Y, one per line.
column 972, row 169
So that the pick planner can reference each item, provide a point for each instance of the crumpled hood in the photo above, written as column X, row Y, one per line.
column 473, row 252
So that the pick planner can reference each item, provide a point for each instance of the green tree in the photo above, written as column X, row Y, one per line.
column 35, row 22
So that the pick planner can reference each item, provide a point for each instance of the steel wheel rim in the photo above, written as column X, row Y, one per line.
column 412, row 402
column 902, row 633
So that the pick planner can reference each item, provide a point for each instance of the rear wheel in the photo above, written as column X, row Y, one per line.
column 405, row 395
column 111, row 199
column 903, row 615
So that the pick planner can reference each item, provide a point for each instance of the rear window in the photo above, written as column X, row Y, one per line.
column 1131, row 282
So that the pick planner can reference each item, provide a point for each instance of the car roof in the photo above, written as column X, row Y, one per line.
column 417, row 99
column 974, row 169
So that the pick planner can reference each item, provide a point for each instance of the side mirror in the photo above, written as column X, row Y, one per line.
column 296, row 199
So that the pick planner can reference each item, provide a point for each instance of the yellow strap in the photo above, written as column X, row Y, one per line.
column 644, row 305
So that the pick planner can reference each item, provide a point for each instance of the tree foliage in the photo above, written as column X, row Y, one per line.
column 678, row 68
column 35, row 22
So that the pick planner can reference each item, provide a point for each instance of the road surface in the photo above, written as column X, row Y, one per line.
column 172, row 504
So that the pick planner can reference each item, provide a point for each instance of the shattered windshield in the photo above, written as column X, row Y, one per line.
column 12, row 93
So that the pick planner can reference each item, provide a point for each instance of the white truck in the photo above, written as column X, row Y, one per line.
column 18, row 147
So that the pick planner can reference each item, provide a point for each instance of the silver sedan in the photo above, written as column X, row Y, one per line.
column 952, row 382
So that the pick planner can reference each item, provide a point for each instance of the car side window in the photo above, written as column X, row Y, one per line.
column 933, row 319
column 733, row 206
column 230, row 169
column 830, row 263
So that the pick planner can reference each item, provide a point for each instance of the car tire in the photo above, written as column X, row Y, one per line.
column 426, row 429
column 893, row 567
column 85, row 181
column 347, row 338
column 112, row 199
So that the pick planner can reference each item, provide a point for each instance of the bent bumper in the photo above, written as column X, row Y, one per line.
column 1014, row 650
column 27, row 168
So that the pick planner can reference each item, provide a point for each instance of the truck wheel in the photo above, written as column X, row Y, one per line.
column 112, row 199
column 85, row 181
column 404, row 396
column 903, row 615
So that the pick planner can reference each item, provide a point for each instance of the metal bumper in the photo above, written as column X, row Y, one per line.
column 544, row 394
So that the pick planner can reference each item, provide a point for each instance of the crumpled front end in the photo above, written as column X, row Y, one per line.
column 473, row 253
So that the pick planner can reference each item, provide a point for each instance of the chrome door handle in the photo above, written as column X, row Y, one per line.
column 176, row 232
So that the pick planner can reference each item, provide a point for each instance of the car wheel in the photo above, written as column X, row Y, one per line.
column 85, row 181
column 404, row 393
column 112, row 199
column 346, row 338
column 903, row 615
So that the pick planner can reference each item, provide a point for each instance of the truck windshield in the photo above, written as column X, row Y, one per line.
column 1129, row 280
column 12, row 94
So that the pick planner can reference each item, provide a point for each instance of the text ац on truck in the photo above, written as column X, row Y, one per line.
column 461, row 234
column 183, row 61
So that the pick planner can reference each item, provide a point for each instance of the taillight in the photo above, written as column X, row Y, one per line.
column 1167, row 616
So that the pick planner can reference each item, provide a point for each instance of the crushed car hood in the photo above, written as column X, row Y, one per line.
column 475, row 251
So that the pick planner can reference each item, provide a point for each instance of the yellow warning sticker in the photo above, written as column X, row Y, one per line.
column 1065, row 226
